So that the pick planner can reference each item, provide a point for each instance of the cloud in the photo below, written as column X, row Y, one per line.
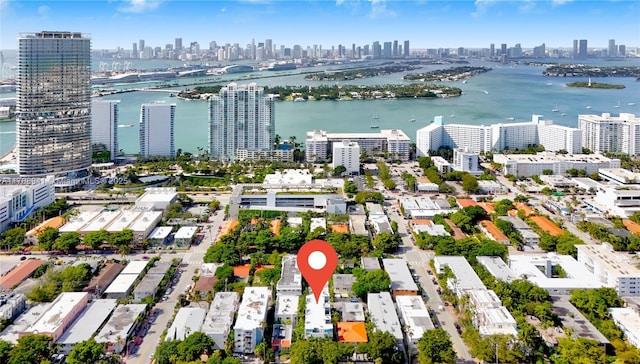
column 43, row 10
column 379, row 9
column 339, row 2
column 223, row 10
column 482, row 6
column 139, row 6
column 560, row 2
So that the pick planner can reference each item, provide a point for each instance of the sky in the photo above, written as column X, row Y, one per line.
column 425, row 23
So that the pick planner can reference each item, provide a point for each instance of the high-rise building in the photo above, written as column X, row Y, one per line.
column 575, row 48
column 156, row 129
column 607, row 133
column 395, row 48
column 582, row 50
column 241, row 117
column 503, row 49
column 141, row 45
column 53, row 107
column 347, row 154
column 386, row 52
column 613, row 50
column 492, row 50
column 377, row 50
column 104, row 125
column 178, row 44
column 134, row 50
column 268, row 48
column 540, row 51
column 622, row 50
column 405, row 49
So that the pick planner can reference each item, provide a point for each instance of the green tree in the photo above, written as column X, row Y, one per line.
column 386, row 242
column 503, row 206
column 194, row 345
column 5, row 349
column 88, row 351
column 95, row 238
column 167, row 352
column 67, row 241
column 470, row 183
column 31, row 349
column 214, row 205
column 47, row 237
column 435, row 347
column 339, row 170
column 579, row 350
column 12, row 238
column 381, row 345
column 121, row 238
column 370, row 282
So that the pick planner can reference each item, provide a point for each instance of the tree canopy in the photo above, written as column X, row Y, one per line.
column 31, row 349
column 370, row 282
column 435, row 347
column 88, row 351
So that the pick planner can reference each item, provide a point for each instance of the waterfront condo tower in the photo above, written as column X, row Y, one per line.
column 156, row 129
column 241, row 117
column 53, row 108
column 104, row 126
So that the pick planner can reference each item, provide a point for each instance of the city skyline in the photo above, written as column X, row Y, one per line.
column 120, row 23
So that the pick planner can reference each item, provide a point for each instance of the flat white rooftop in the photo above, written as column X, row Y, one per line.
column 498, row 268
column 76, row 223
column 123, row 220
column 253, row 308
column 318, row 222
column 160, row 233
column 466, row 277
column 101, row 221
column 620, row 175
column 158, row 194
column 23, row 322
column 294, row 221
column 550, row 157
column 88, row 322
column 532, row 267
column 220, row 316
column 187, row 321
column 186, row 232
column 401, row 279
column 629, row 320
column 120, row 323
column 290, row 276
column 144, row 222
column 415, row 315
column 135, row 267
column 60, row 308
column 287, row 305
column 289, row 177
column 383, row 314
column 122, row 284
column 610, row 260
column 316, row 316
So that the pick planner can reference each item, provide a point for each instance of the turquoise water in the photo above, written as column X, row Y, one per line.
column 506, row 91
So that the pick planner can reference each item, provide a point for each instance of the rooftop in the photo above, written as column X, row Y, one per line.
column 343, row 281
column 160, row 233
column 88, row 322
column 492, row 229
column 534, row 266
column 187, row 321
column 148, row 284
column 466, row 277
column 145, row 220
column 205, row 283
column 352, row 311
column 352, row 332
column 573, row 319
column 23, row 322
column 61, row 307
column 317, row 314
column 122, row 284
column 186, row 232
column 547, row 225
column 76, row 223
column 120, row 323
column 19, row 273
column 103, row 220
column 550, row 157
column 122, row 221
column 517, row 222
column 287, row 305
column 613, row 261
column 401, row 279
column 370, row 263
column 383, row 314
column 135, row 267
column 290, row 277
column 158, row 194
column 374, row 208
column 289, row 177
column 253, row 308
column 497, row 267
column 106, row 276
column 221, row 313
column 414, row 315
column 160, row 267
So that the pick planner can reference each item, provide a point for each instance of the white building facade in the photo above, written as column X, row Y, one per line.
column 347, row 154
column 104, row 125
column 393, row 143
column 156, row 129
column 18, row 202
column 248, row 330
column 607, row 133
column 241, row 117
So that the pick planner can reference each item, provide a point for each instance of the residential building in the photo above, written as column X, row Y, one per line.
column 275, row 155
column 614, row 200
column 628, row 321
column 384, row 316
column 370, row 263
column 497, row 267
column 442, row 165
column 527, row 165
column 248, row 330
column 495, row 321
column 350, row 311
column 148, row 287
column 492, row 231
column 62, row 312
column 342, row 284
column 12, row 305
column 187, row 321
column 394, row 143
column 287, row 309
column 607, row 133
column 98, row 283
column 610, row 269
column 402, row 283
column 465, row 277
column 157, row 129
column 53, row 108
column 18, row 274
column 619, row 176
column 20, row 200
column 415, row 317
column 466, row 161
column 530, row 237
column 86, row 325
column 120, row 327
column 317, row 318
column 184, row 236
column 241, row 117
column 347, row 154
column 290, row 282
column 104, row 125
column 498, row 137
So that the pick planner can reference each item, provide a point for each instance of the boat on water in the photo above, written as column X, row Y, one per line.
column 617, row 106
column 464, row 81
column 563, row 114
column 299, row 99
column 374, row 126
column 485, row 92
column 589, row 107
column 376, row 117
column 172, row 95
column 511, row 118
column 555, row 109
column 453, row 115
column 549, row 83
column 631, row 104
column 125, row 125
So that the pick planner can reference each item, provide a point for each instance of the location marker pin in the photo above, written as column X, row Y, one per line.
column 317, row 260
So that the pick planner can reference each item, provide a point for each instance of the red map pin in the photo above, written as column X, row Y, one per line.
column 317, row 260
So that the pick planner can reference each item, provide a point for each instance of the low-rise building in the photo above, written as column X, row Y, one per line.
column 380, row 224
column 424, row 207
column 493, row 232
column 318, row 223
column 219, row 320
column 22, row 198
column 527, row 165
column 465, row 277
column 423, row 184
column 18, row 274
column 610, row 269
column 317, row 318
column 427, row 226
column 160, row 236
column 616, row 200
column 12, row 305
column 352, row 332
column 64, row 309
column 86, row 325
column 99, row 283
column 370, row 263
column 148, row 287
column 248, row 331
column 184, row 236
column 574, row 320
column 495, row 321
column 384, row 316
column 374, row 209
column 628, row 321
column 619, row 176
column 530, row 237
column 287, row 309
column 351, row 311
column 187, row 321
column 342, row 284
column 358, row 225
column 488, row 186
column 290, row 282
column 121, row 286
column 402, row 283
column 415, row 317
column 23, row 322
column 120, row 327
column 157, row 198
column 497, row 267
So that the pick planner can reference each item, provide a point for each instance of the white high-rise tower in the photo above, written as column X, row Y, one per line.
column 156, row 129
column 104, row 125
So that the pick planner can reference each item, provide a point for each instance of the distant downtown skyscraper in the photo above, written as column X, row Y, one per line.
column 241, row 117
column 53, row 108
column 156, row 129
column 104, row 125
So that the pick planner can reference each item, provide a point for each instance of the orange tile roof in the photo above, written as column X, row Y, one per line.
column 340, row 228
column 465, row 202
column 423, row 179
column 547, row 225
column 274, row 226
column 20, row 273
column 493, row 230
column 54, row 222
column 243, row 270
column 631, row 226
column 489, row 207
column 528, row 211
column 227, row 227
column 421, row 222
column 352, row 332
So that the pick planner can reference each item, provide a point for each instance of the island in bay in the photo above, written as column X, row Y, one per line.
column 598, row 85
column 449, row 74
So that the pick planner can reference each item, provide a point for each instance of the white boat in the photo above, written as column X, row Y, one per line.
column 299, row 99
column 453, row 115
column 549, row 83
column 374, row 126
column 617, row 106
column 555, row 109
column 486, row 92
column 413, row 119
column 376, row 117
column 511, row 118
column 563, row 114
column 464, row 81
column 125, row 125
column 631, row 104
column 589, row 107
